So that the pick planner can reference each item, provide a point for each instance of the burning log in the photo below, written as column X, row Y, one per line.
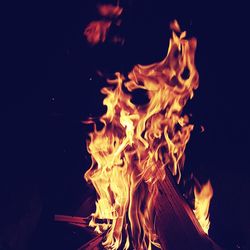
column 94, row 244
column 73, row 220
column 176, row 224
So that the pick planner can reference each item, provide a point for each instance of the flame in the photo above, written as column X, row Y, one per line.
column 109, row 10
column 203, row 195
column 137, row 142
column 96, row 31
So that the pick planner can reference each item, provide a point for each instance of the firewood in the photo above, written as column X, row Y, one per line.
column 74, row 220
column 94, row 244
column 175, row 222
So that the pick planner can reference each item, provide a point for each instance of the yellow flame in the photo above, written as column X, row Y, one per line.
column 137, row 142
column 203, row 196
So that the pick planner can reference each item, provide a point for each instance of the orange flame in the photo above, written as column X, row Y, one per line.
column 130, row 153
column 96, row 31
column 109, row 10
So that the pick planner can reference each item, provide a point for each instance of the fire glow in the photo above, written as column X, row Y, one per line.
column 98, row 30
column 137, row 143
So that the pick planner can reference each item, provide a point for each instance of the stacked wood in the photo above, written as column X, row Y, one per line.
column 175, row 222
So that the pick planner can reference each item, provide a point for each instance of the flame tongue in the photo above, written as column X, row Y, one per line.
column 203, row 195
column 130, row 153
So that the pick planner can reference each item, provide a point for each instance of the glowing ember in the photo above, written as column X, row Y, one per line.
column 130, row 153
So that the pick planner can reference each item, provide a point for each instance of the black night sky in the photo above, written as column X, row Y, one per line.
column 49, row 86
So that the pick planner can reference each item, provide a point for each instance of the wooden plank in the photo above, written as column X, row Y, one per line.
column 75, row 220
column 176, row 224
column 94, row 244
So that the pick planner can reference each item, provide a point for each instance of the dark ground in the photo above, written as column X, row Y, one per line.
column 47, row 92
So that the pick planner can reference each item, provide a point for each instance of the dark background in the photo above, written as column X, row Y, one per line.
column 49, row 86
